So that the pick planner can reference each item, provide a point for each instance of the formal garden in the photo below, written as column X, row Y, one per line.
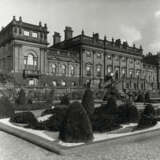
column 82, row 120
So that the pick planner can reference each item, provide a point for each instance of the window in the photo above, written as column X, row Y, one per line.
column 54, row 83
column 53, row 68
column 123, row 72
column 116, row 58
column 26, row 33
column 63, row 83
column 30, row 60
column 131, row 73
column 99, row 69
column 109, row 69
column 32, row 82
column 88, row 53
column 63, row 69
column 34, row 35
column 71, row 70
column 137, row 62
column 88, row 70
column 123, row 59
column 131, row 61
column 109, row 57
column 73, row 83
column 138, row 73
column 98, row 55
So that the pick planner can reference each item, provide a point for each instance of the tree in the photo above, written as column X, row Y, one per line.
column 88, row 102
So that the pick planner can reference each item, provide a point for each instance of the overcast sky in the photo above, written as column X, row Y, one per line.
column 137, row 21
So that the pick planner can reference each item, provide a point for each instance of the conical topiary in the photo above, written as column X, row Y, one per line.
column 76, row 126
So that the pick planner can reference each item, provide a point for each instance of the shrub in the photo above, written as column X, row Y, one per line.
column 23, row 117
column 105, row 118
column 76, row 125
column 147, row 117
column 65, row 100
column 127, row 113
column 147, row 97
column 54, row 123
column 88, row 102
column 21, row 97
column 140, row 98
column 6, row 108
column 51, row 96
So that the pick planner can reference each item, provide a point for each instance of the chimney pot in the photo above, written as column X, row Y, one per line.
column 68, row 33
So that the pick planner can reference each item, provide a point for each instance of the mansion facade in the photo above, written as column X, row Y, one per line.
column 75, row 61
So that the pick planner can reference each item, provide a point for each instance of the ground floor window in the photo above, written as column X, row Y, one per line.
column 33, row 82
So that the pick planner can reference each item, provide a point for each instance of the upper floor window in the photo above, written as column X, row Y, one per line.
column 71, row 70
column 131, row 73
column 63, row 83
column 98, row 55
column 123, row 72
column 99, row 70
column 138, row 73
column 30, row 60
column 109, row 57
column 137, row 62
column 26, row 33
column 53, row 68
column 54, row 83
column 34, row 34
column 109, row 69
column 131, row 61
column 88, row 70
column 88, row 53
column 123, row 59
column 63, row 69
column 116, row 58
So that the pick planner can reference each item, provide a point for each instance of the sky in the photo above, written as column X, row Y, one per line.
column 137, row 21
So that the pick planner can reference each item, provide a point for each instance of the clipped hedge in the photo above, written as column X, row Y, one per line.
column 127, row 113
column 6, row 108
column 147, row 117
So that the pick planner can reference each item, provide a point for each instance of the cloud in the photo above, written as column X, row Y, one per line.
column 157, row 14
column 155, row 46
column 131, row 34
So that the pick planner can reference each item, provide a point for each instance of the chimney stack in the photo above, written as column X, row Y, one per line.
column 68, row 33
column 56, row 38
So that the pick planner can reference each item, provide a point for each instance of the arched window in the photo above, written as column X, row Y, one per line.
column 99, row 70
column 88, row 70
column 53, row 68
column 54, row 83
column 71, row 70
column 30, row 60
column 63, row 69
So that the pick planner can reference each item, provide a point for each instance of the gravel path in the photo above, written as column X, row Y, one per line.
column 144, row 147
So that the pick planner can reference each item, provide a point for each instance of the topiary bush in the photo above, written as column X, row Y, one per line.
column 105, row 118
column 54, row 123
column 140, row 98
column 21, row 99
column 76, row 126
column 6, row 108
column 147, row 97
column 127, row 113
column 65, row 100
column 147, row 117
column 88, row 102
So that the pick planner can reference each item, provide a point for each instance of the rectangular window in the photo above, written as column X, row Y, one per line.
column 34, row 35
column 26, row 33
column 88, row 53
column 109, row 57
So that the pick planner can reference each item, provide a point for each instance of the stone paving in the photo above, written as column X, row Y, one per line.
column 145, row 147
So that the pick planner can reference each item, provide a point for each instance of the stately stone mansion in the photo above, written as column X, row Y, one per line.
column 75, row 61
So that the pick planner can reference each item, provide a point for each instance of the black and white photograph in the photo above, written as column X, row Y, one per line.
column 79, row 79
